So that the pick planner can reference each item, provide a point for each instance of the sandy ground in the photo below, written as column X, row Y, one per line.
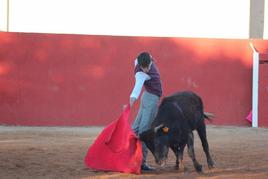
column 58, row 152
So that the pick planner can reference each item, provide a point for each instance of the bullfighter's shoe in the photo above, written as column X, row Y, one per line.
column 146, row 167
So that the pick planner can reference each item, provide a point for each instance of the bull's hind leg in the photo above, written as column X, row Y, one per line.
column 190, row 145
column 203, row 136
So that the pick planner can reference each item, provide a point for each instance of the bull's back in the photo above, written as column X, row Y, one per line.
column 191, row 105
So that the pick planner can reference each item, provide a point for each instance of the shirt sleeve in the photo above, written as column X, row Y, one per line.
column 140, row 78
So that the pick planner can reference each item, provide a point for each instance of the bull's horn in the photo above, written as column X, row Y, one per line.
column 158, row 127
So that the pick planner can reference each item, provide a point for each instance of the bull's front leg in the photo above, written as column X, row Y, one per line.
column 180, row 158
column 190, row 145
column 178, row 151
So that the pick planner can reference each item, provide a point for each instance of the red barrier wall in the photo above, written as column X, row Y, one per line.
column 77, row 80
column 263, row 91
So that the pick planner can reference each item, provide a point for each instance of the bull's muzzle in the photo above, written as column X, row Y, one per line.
column 161, row 162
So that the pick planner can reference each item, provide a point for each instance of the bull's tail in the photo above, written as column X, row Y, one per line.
column 209, row 116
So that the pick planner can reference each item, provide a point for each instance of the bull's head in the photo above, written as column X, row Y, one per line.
column 156, row 139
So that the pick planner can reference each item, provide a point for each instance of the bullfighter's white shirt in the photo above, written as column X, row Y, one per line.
column 140, row 78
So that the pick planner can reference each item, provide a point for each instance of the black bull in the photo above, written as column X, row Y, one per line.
column 178, row 115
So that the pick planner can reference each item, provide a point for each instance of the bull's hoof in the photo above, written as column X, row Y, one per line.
column 198, row 168
column 211, row 164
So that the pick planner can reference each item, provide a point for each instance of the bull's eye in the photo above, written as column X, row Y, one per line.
column 165, row 129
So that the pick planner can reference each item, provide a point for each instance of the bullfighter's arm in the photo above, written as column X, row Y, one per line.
column 140, row 78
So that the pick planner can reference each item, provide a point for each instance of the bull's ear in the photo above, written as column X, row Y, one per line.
column 165, row 129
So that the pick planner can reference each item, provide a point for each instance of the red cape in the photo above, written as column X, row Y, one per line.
column 117, row 148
